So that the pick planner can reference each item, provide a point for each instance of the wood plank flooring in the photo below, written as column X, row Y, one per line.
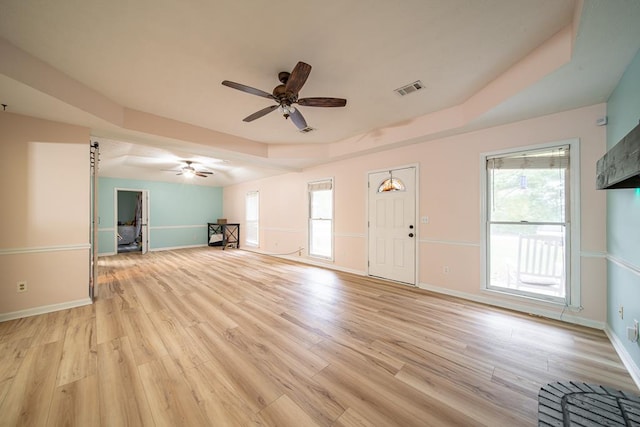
column 204, row 337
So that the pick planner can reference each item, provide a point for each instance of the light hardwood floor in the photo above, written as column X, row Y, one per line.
column 205, row 337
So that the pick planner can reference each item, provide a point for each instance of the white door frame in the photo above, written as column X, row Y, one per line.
column 416, row 166
column 145, row 221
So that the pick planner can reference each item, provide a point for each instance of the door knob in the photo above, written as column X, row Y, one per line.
column 410, row 234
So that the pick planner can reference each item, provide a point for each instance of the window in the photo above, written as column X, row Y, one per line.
column 321, row 218
column 251, row 218
column 528, row 219
column 391, row 184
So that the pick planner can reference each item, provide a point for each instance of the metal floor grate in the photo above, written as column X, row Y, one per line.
column 577, row 404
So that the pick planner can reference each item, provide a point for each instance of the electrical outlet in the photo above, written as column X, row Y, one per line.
column 22, row 286
column 621, row 312
column 446, row 269
column 424, row 219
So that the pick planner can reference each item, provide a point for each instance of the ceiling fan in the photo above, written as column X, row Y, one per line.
column 189, row 171
column 286, row 94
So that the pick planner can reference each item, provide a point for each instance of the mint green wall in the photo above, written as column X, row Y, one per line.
column 182, row 208
column 623, row 216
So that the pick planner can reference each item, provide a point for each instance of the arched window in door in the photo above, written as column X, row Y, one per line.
column 391, row 184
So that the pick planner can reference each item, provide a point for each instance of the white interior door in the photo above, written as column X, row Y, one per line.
column 392, row 226
column 144, row 230
column 141, row 221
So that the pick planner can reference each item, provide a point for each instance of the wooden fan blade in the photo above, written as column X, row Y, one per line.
column 201, row 175
column 322, row 102
column 247, row 89
column 208, row 173
column 297, row 78
column 298, row 119
column 260, row 113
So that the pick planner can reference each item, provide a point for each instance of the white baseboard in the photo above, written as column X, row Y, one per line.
column 44, row 309
column 171, row 248
column 551, row 314
column 626, row 358
column 305, row 260
column 325, row 265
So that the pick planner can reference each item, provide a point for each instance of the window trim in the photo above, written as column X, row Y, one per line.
column 573, row 297
column 320, row 182
column 248, row 242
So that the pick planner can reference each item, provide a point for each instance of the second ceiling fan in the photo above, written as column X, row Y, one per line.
column 286, row 94
column 189, row 171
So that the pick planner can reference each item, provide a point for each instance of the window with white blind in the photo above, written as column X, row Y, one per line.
column 530, row 210
column 252, row 211
column 321, row 218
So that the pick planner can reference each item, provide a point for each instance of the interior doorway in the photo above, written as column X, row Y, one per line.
column 132, row 217
column 392, row 225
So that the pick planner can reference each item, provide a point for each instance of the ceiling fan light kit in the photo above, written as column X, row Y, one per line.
column 286, row 110
column 189, row 171
column 286, row 94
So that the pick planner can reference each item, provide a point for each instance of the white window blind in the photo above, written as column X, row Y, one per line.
column 528, row 223
column 252, row 215
column 321, row 218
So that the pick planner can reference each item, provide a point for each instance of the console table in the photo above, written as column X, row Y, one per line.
column 225, row 235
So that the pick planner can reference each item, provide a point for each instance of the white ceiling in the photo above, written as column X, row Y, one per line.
column 94, row 63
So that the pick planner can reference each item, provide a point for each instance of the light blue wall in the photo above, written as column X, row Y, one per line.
column 623, row 216
column 178, row 213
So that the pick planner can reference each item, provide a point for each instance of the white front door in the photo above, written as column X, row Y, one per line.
column 392, row 226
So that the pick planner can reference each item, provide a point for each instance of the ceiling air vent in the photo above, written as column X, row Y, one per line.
column 307, row 129
column 410, row 88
